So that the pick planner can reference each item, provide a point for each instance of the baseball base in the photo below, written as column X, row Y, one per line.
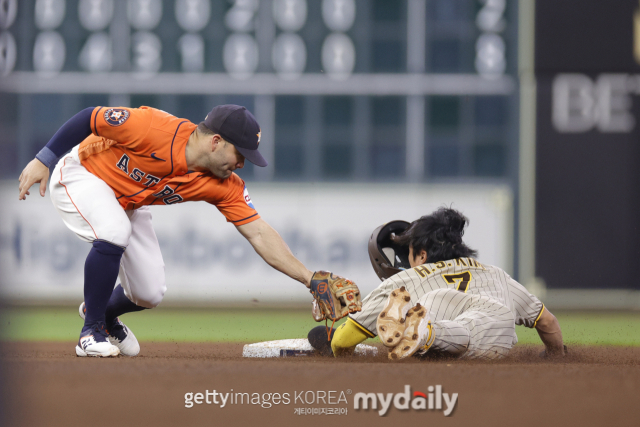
column 298, row 347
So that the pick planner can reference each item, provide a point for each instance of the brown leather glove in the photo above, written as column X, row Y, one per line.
column 334, row 296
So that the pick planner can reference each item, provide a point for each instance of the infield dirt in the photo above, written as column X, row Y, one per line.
column 50, row 386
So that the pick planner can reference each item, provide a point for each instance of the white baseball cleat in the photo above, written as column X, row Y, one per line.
column 123, row 338
column 391, row 321
column 94, row 342
column 418, row 334
column 119, row 335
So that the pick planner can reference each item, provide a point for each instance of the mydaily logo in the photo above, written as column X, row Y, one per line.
column 419, row 401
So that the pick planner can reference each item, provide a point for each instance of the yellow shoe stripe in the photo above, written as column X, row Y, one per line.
column 362, row 328
column 430, row 339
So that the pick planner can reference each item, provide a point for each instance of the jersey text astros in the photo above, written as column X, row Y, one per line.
column 140, row 154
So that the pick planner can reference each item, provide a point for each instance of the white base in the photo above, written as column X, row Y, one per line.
column 294, row 348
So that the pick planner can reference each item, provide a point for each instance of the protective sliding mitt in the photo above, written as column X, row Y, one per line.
column 318, row 339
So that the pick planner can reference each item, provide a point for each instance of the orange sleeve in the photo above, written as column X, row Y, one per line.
column 237, row 206
column 230, row 195
column 126, row 126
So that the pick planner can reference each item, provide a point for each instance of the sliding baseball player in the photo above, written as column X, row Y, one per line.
column 436, row 297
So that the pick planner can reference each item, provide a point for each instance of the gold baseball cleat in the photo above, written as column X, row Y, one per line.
column 418, row 334
column 391, row 321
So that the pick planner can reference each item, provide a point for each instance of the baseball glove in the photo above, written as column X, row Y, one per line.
column 334, row 296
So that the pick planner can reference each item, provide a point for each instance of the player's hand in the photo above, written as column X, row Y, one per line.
column 35, row 172
column 546, row 354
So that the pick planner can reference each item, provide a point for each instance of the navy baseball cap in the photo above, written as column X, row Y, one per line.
column 238, row 126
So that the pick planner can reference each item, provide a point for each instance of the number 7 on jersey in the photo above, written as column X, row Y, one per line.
column 461, row 280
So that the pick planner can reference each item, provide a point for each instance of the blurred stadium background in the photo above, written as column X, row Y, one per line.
column 521, row 114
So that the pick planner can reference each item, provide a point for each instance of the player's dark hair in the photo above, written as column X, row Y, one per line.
column 205, row 130
column 439, row 234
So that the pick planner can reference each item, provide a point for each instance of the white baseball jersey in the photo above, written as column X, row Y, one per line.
column 474, row 307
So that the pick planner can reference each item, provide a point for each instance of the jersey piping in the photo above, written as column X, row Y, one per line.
column 172, row 141
column 95, row 122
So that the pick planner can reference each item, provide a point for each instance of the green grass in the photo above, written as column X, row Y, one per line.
column 589, row 328
column 163, row 324
column 247, row 325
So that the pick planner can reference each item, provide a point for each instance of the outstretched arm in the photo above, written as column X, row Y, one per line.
column 68, row 136
column 549, row 330
column 269, row 245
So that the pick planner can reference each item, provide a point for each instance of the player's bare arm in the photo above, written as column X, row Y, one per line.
column 334, row 296
column 269, row 245
column 550, row 333
column 35, row 172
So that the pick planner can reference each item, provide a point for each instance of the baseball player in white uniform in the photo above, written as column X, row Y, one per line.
column 444, row 300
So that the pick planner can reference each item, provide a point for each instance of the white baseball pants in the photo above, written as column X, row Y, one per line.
column 89, row 208
column 470, row 326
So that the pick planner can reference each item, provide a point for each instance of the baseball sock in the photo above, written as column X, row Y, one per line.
column 100, row 273
column 118, row 305
column 347, row 336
